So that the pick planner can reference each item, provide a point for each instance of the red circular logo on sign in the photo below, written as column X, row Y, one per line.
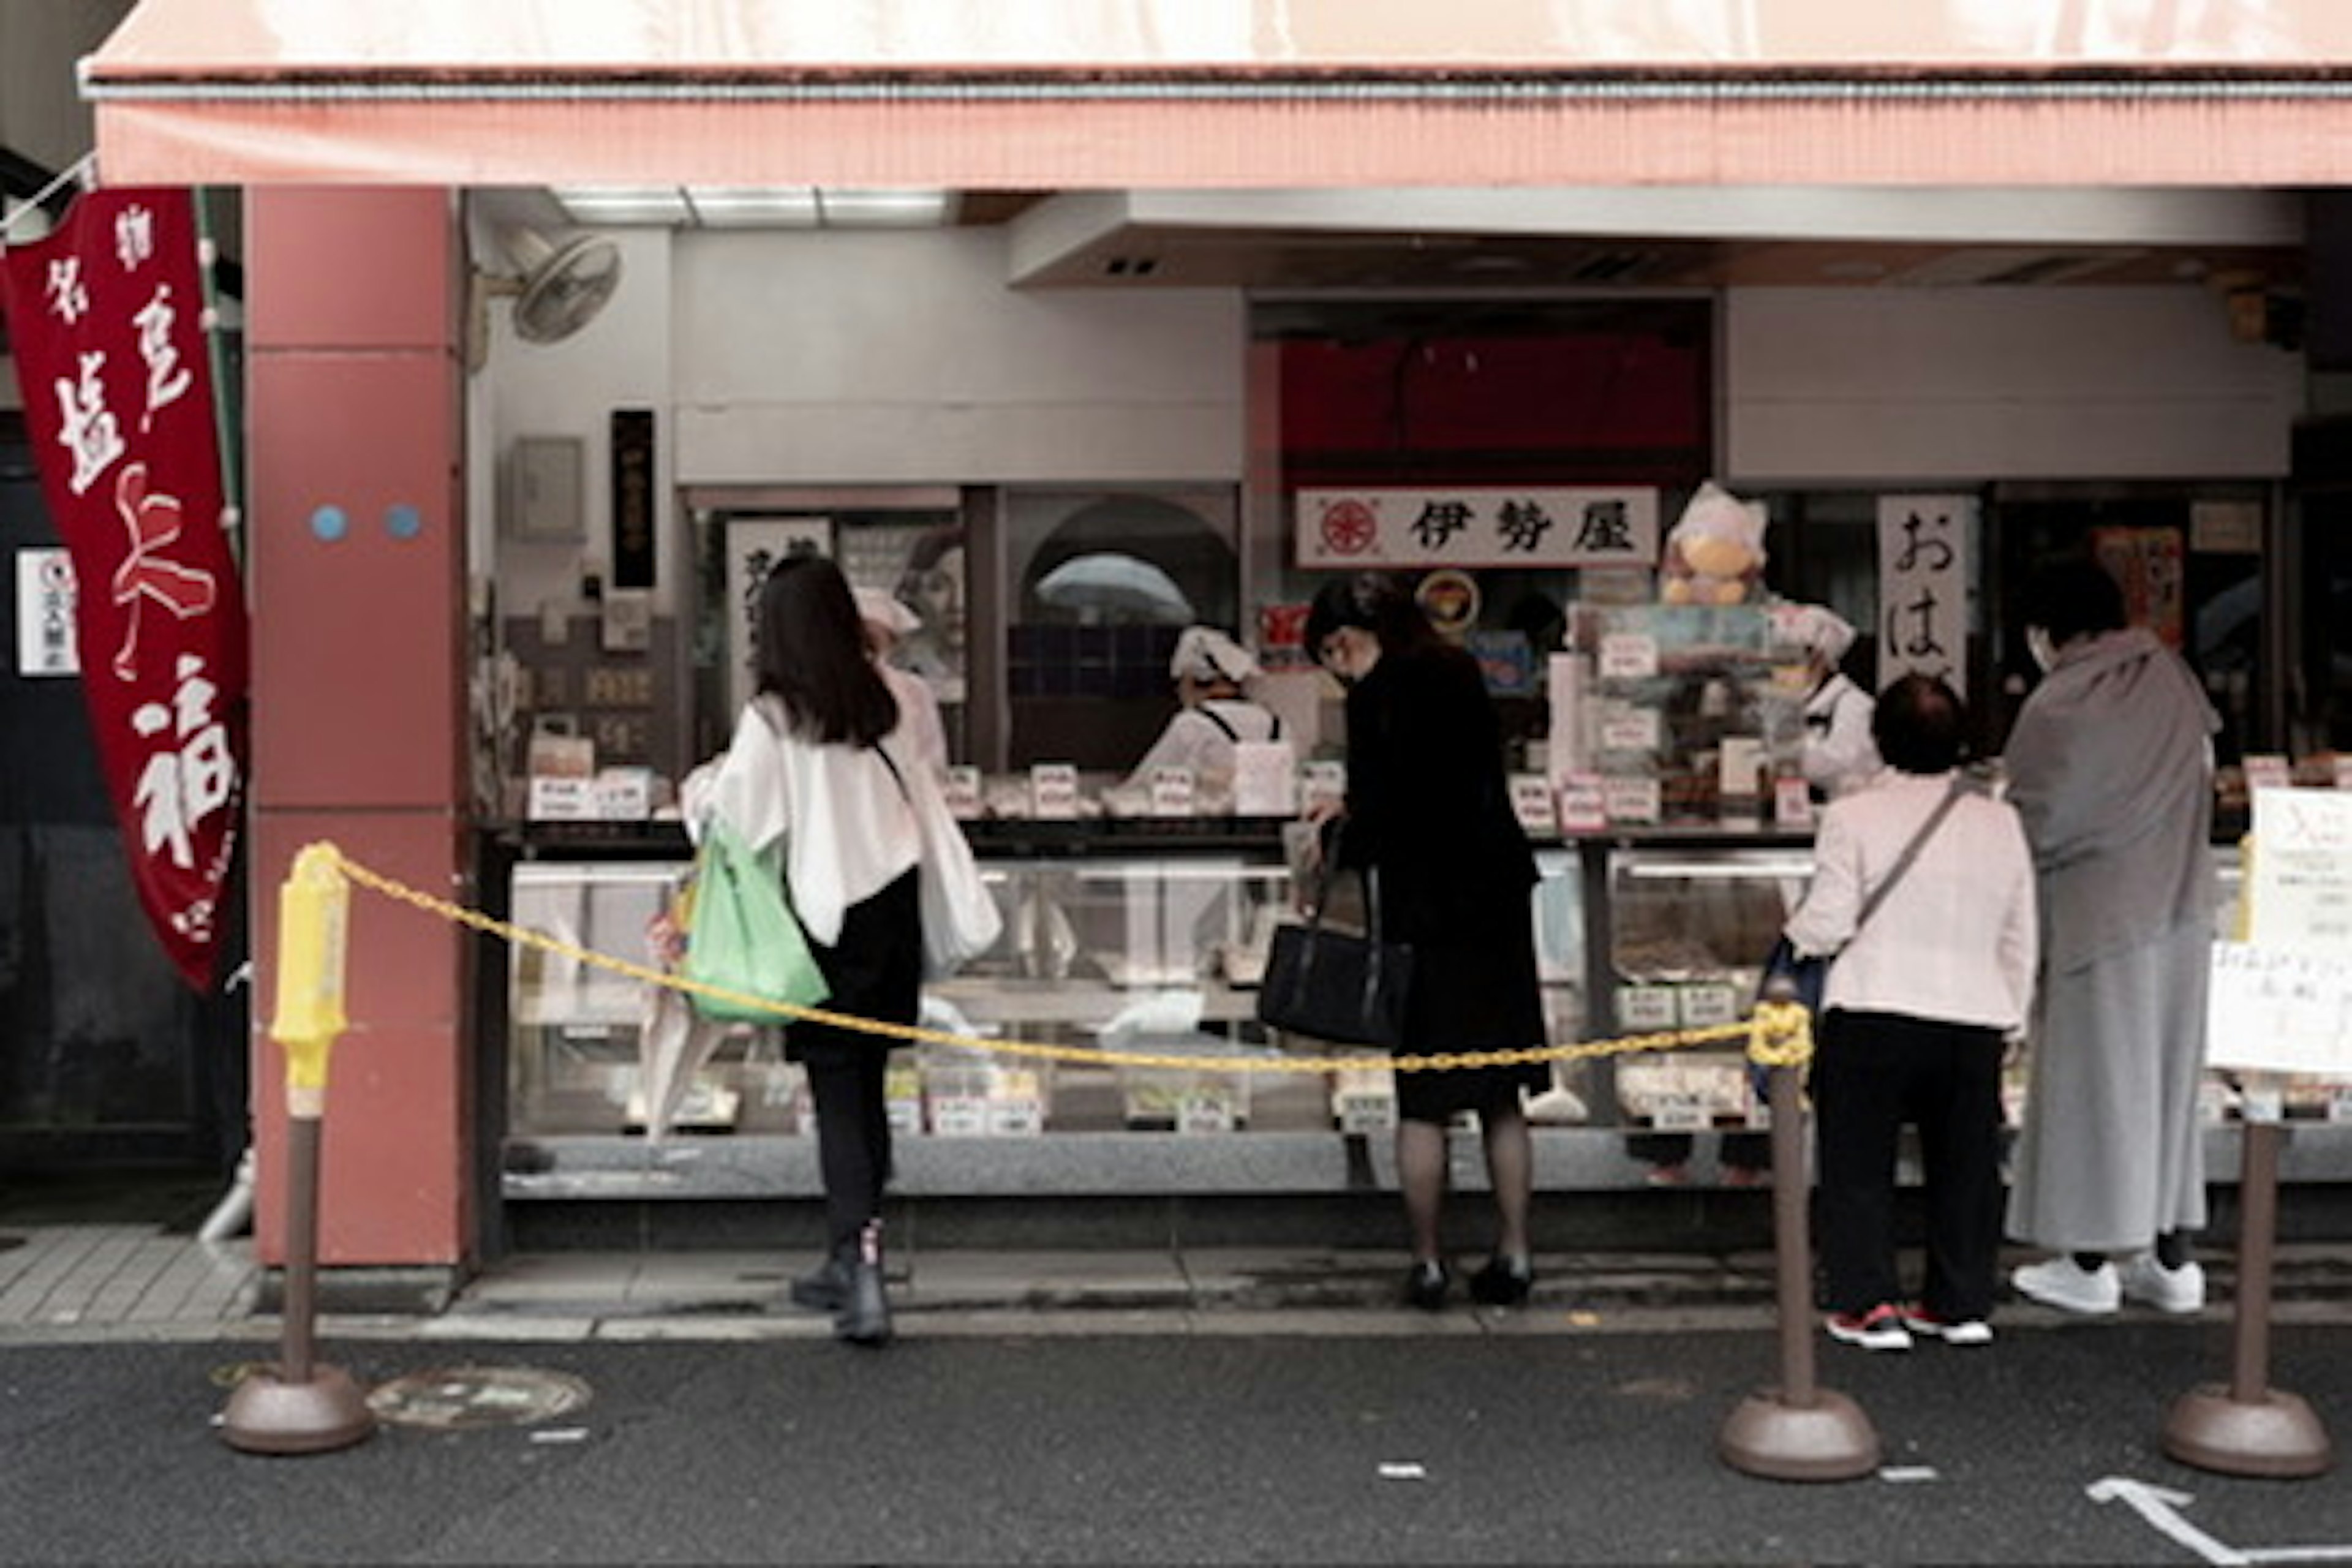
column 1349, row 527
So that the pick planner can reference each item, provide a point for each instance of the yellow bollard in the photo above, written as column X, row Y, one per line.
column 296, row 1406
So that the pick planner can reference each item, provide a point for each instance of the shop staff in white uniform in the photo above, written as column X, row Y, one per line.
column 1839, row 754
column 1209, row 668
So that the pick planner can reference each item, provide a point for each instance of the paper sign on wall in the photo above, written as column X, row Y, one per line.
column 1923, row 587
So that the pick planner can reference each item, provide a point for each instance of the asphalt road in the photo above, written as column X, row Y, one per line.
column 1556, row 1448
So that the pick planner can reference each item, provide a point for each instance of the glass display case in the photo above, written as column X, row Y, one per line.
column 1106, row 948
column 1688, row 925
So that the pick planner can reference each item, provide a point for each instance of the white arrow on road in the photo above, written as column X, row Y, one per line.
column 2159, row 1506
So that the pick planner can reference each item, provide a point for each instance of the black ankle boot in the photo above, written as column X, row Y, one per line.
column 826, row 1287
column 863, row 1318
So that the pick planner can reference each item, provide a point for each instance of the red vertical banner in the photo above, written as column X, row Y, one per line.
column 106, row 317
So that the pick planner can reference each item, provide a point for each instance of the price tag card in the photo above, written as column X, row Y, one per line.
column 1532, row 801
column 1054, row 791
column 1740, row 765
column 1207, row 1111
column 1625, row 728
column 1703, row 1006
column 961, row 787
column 1646, row 1007
column 1792, row 803
column 1020, row 1118
column 1628, row 656
column 959, row 1116
column 1629, row 799
column 1171, row 791
column 1583, row 805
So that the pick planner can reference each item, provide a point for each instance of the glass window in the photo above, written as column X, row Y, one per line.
column 1100, row 584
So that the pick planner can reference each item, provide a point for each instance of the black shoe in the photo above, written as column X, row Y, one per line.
column 1504, row 1282
column 824, row 1287
column 864, row 1317
column 1425, row 1286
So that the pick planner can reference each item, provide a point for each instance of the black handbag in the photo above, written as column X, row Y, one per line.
column 1335, row 984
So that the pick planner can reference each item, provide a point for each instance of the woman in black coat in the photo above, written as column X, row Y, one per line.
column 1428, row 806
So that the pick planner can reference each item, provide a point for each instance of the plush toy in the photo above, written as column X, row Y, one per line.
column 1715, row 551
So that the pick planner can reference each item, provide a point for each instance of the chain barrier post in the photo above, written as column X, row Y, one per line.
column 2250, row 1429
column 1797, row 1431
column 299, row 1406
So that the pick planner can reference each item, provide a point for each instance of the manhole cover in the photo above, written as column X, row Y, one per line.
column 451, row 1398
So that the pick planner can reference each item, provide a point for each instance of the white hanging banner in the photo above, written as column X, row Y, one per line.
column 45, row 613
column 1923, row 587
column 1477, row 526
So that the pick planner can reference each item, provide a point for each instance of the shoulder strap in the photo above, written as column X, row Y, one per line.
column 1220, row 721
column 1911, row 851
column 897, row 777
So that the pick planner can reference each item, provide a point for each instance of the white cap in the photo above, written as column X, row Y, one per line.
column 1822, row 630
column 889, row 612
column 1204, row 653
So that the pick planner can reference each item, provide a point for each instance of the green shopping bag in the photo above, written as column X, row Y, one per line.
column 743, row 936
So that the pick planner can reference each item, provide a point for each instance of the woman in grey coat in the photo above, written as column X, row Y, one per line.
column 2111, row 767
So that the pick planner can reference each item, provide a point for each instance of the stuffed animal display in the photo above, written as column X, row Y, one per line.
column 1715, row 551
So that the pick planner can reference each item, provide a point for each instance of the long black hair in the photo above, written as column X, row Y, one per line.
column 812, row 654
column 1378, row 602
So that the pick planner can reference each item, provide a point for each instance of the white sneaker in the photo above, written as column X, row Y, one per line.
column 2062, row 1283
column 2180, row 1289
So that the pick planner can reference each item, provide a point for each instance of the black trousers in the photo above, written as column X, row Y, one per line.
column 1872, row 1073
column 875, row 970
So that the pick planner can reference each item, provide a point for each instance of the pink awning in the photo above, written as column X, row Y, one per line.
column 1029, row 93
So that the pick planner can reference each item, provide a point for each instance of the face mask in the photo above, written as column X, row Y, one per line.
column 2038, row 644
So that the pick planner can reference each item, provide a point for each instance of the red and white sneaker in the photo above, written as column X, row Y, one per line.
column 1880, row 1329
column 1952, row 1331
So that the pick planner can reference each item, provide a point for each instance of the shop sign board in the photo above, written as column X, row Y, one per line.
column 1923, row 587
column 1477, row 526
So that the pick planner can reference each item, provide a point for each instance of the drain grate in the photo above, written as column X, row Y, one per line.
column 459, row 1397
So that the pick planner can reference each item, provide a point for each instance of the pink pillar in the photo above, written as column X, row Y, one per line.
column 356, row 536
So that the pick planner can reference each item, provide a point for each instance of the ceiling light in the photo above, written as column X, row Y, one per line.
column 608, row 204
column 885, row 210
column 757, row 206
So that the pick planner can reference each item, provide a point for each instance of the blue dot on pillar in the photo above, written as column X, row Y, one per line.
column 402, row 522
column 329, row 523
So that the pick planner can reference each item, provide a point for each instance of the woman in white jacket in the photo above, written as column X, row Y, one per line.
column 1915, row 1019
column 807, row 769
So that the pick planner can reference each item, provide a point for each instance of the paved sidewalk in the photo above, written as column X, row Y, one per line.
column 71, row 1283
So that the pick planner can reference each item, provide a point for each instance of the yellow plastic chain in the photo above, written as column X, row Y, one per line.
column 1755, row 1032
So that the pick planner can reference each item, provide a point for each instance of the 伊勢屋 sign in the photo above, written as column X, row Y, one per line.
column 1477, row 526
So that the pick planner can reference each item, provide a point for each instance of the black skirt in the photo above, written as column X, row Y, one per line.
column 1482, row 993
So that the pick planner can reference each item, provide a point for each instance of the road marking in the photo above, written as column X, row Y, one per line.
column 2159, row 1506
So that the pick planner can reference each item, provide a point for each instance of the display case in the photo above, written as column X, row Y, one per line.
column 1145, row 943
column 1686, row 925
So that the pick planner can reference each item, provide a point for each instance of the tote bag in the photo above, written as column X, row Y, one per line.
column 1335, row 984
column 744, row 936
column 960, row 920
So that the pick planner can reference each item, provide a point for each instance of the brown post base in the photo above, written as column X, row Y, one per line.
column 268, row 1415
column 2275, row 1436
column 1827, row 1440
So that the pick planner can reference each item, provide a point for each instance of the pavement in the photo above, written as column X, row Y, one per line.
column 80, row 1283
